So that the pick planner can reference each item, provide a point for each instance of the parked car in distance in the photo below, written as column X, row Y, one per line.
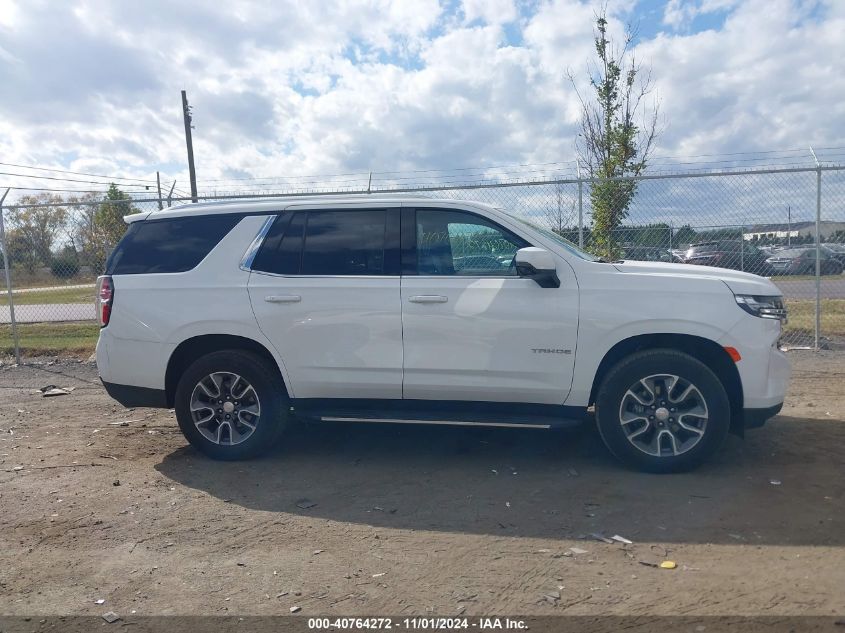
column 678, row 254
column 802, row 261
column 733, row 254
column 837, row 250
column 243, row 315
column 647, row 254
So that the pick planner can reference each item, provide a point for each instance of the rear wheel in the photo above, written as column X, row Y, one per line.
column 231, row 404
column 662, row 411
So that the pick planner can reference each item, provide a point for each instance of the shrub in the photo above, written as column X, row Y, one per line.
column 64, row 267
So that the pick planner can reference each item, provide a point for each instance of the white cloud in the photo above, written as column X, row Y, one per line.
column 678, row 13
column 301, row 88
column 490, row 11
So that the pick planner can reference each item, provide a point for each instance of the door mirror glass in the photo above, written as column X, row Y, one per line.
column 537, row 264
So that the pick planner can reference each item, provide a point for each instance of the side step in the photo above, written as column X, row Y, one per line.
column 524, row 425
column 441, row 412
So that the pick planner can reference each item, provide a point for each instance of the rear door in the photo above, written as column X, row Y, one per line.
column 325, row 290
column 473, row 330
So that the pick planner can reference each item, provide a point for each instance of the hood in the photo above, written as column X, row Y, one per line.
column 738, row 282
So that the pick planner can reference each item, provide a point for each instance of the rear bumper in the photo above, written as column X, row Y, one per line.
column 131, row 396
column 755, row 418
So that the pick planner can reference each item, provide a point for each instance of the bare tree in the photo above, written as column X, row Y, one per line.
column 618, row 130
column 559, row 216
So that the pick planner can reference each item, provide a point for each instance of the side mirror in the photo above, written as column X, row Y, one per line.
column 537, row 264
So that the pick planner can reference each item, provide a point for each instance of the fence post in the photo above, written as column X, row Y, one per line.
column 818, row 257
column 580, row 213
column 818, row 323
column 670, row 240
column 9, row 281
column 158, row 186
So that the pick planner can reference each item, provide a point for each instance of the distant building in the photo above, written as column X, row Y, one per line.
column 795, row 229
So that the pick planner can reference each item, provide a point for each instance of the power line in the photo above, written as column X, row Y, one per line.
column 87, row 182
column 568, row 165
column 103, row 191
column 365, row 174
column 75, row 173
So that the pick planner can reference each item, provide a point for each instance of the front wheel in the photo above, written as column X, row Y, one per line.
column 231, row 404
column 662, row 411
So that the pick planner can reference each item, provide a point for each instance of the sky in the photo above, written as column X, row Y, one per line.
column 301, row 90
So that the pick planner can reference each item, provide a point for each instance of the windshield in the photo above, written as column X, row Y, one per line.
column 562, row 241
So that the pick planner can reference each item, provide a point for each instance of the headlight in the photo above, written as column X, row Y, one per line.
column 764, row 307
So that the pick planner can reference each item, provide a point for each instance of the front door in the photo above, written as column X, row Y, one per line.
column 325, row 291
column 474, row 330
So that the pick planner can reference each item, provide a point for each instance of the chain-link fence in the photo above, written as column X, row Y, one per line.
column 787, row 224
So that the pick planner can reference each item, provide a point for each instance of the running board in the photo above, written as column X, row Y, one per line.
column 440, row 412
column 511, row 425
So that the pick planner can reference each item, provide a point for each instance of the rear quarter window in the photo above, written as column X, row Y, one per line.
column 172, row 245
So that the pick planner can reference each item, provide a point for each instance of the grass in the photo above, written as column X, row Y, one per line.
column 802, row 316
column 42, row 339
column 64, row 295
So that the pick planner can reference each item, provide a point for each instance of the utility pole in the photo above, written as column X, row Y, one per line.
column 186, row 115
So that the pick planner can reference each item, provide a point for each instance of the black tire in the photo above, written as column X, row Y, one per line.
column 640, row 365
column 269, row 392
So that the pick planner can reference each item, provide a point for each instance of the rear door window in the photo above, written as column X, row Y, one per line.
column 352, row 242
column 172, row 245
column 344, row 243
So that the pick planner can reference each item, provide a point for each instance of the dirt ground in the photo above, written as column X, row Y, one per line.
column 375, row 519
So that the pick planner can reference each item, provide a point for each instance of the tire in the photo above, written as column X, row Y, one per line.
column 230, row 372
column 649, row 448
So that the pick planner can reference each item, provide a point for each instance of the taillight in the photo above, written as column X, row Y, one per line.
column 105, row 299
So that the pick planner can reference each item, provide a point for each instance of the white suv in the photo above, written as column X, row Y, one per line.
column 398, row 309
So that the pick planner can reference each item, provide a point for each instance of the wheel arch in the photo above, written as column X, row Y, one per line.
column 703, row 349
column 195, row 347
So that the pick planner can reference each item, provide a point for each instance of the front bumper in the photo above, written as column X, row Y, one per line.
column 763, row 369
column 755, row 418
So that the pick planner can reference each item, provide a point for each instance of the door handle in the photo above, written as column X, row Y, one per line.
column 282, row 298
column 428, row 299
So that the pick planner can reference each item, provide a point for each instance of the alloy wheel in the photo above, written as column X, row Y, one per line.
column 663, row 415
column 225, row 408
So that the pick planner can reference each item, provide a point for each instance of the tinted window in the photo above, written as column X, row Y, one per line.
column 168, row 246
column 289, row 257
column 281, row 251
column 344, row 242
column 458, row 243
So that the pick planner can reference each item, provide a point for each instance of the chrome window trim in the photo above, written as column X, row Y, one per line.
column 252, row 250
column 269, row 274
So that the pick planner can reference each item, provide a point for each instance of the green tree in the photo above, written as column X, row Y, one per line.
column 38, row 222
column 684, row 236
column 617, row 132
column 106, row 227
column 21, row 253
